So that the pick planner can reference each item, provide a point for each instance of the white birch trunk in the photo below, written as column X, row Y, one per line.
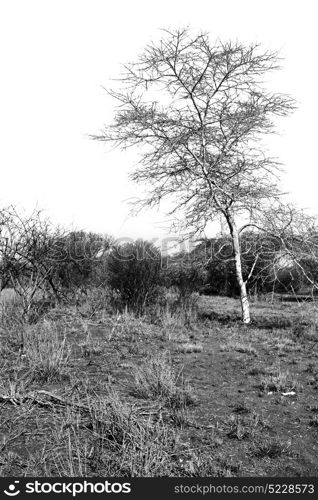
column 246, row 318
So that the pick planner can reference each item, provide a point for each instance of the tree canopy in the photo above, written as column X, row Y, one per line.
column 198, row 110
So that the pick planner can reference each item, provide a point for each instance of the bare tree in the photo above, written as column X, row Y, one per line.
column 198, row 109
column 27, row 254
column 297, row 235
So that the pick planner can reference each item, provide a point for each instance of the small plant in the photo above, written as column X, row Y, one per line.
column 179, row 417
column 278, row 382
column 155, row 378
column 127, row 325
column 239, row 347
column 190, row 347
column 313, row 408
column 256, row 371
column 241, row 408
column 13, row 388
column 90, row 347
column 273, row 448
column 128, row 445
column 286, row 344
column 96, row 303
column 46, row 352
column 196, row 464
column 306, row 330
column 134, row 271
column 314, row 421
column 311, row 368
column 243, row 427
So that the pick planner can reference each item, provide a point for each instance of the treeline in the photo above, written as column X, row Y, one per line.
column 45, row 264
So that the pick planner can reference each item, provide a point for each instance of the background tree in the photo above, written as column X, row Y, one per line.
column 296, row 234
column 198, row 109
column 185, row 274
column 28, row 255
column 81, row 259
column 134, row 272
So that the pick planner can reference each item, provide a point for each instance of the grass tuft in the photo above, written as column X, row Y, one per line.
column 47, row 352
column 278, row 381
column 156, row 378
column 273, row 448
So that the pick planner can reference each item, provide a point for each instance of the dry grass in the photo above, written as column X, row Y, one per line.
column 306, row 330
column 156, row 378
column 110, row 437
column 189, row 347
column 235, row 345
column 115, row 433
column 272, row 448
column 244, row 427
column 46, row 350
column 278, row 381
column 90, row 346
column 176, row 315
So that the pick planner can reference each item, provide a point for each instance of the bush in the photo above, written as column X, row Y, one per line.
column 134, row 271
column 79, row 261
column 186, row 276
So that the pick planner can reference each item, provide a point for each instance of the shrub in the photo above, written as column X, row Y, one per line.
column 96, row 303
column 134, row 274
column 185, row 275
column 76, row 263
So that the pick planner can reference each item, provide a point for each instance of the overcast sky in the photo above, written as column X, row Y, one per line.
column 56, row 55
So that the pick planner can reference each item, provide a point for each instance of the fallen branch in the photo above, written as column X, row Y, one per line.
column 33, row 398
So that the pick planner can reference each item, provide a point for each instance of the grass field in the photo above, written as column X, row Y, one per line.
column 101, row 395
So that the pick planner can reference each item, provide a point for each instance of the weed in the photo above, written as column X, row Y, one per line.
column 243, row 427
column 306, row 330
column 273, row 448
column 90, row 347
column 190, row 347
column 127, row 325
column 241, row 408
column 119, row 442
column 256, row 370
column 155, row 378
column 179, row 417
column 46, row 353
column 239, row 347
column 314, row 421
column 278, row 381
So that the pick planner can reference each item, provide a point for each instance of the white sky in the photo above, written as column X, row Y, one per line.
column 56, row 55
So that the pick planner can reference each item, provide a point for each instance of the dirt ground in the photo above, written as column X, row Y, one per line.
column 254, row 407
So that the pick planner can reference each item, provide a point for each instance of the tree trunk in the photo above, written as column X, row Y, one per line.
column 238, row 268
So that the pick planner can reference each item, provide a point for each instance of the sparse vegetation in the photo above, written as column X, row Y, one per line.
column 244, row 427
column 190, row 347
column 238, row 347
column 156, row 378
column 133, row 272
column 273, row 449
column 186, row 356
column 108, row 394
column 278, row 381
column 46, row 350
